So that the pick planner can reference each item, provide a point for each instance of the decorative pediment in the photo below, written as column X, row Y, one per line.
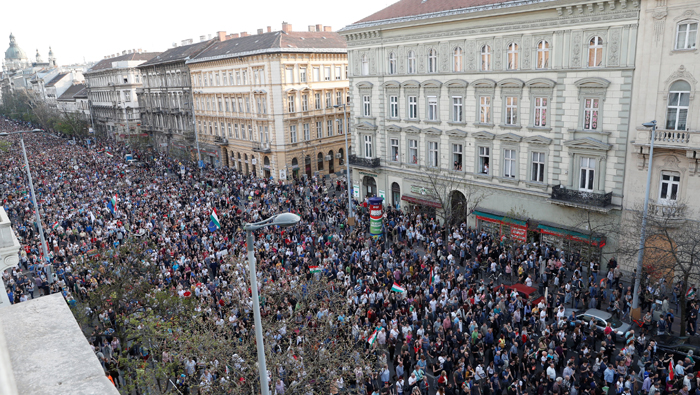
column 366, row 126
column 592, row 82
column 538, row 140
column 511, row 83
column 431, row 84
column 509, row 137
column 364, row 85
column 411, row 129
column 391, row 84
column 433, row 131
column 540, row 83
column 410, row 84
column 588, row 143
column 483, row 135
column 456, row 83
column 484, row 83
column 457, row 133
column 682, row 74
column 393, row 128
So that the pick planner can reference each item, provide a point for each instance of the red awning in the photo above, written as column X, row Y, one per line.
column 422, row 202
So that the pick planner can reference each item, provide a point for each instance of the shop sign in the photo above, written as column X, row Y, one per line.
column 368, row 174
column 519, row 234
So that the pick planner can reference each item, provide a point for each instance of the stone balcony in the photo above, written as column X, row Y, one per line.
column 669, row 139
column 667, row 214
column 262, row 147
column 581, row 199
column 369, row 163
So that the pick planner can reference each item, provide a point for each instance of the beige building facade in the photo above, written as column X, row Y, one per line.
column 267, row 104
column 528, row 103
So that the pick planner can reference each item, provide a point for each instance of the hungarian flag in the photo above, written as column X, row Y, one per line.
column 54, row 226
column 398, row 288
column 690, row 293
column 373, row 337
column 109, row 154
column 112, row 204
column 670, row 369
column 315, row 269
column 215, row 219
column 431, row 280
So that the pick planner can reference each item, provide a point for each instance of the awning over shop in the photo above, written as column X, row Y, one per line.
column 422, row 202
column 495, row 217
column 594, row 240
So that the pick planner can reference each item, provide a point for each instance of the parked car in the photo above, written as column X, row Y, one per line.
column 601, row 319
column 680, row 347
column 527, row 293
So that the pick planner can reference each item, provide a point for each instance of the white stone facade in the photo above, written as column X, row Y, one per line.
column 528, row 86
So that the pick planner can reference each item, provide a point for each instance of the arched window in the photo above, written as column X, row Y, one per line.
column 486, row 58
column 543, row 55
column 512, row 56
column 392, row 63
column 457, row 60
column 411, row 62
column 432, row 61
column 678, row 102
column 365, row 65
column 595, row 52
column 686, row 35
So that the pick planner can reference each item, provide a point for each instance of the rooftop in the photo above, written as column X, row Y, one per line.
column 55, row 79
column 178, row 53
column 105, row 64
column 71, row 92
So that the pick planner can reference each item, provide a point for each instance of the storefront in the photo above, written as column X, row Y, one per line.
column 420, row 206
column 506, row 228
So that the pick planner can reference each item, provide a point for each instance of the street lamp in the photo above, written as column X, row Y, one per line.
column 640, row 255
column 347, row 164
column 36, row 208
column 283, row 220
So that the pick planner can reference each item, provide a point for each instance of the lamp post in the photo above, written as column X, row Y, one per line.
column 36, row 207
column 640, row 255
column 283, row 220
column 347, row 164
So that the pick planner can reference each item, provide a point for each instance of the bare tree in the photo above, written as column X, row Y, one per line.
column 457, row 197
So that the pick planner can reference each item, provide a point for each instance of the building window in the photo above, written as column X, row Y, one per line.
column 394, row 106
column 304, row 102
column 339, row 123
column 338, row 73
column 368, row 146
column 289, row 77
column 432, row 61
column 366, row 106
column 292, row 133
column 540, row 112
column 512, row 56
column 327, row 73
column 317, row 101
column 413, row 152
column 670, row 184
column 543, row 55
column 537, row 167
column 511, row 110
column 433, row 154
column 235, row 130
column 394, row 150
column 319, row 130
column 307, row 132
column 678, row 103
column 686, row 37
column 457, row 155
column 329, row 128
column 339, row 98
column 595, row 52
column 484, row 158
column 485, row 109
column 587, row 174
column 413, row 107
column 457, row 107
column 365, row 65
column 509, row 163
column 302, row 74
column 432, row 108
column 457, row 60
column 317, row 74
column 590, row 114
column 392, row 63
column 486, row 58
column 411, row 62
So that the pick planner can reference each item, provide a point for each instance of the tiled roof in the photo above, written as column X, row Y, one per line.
column 55, row 79
column 83, row 94
column 412, row 8
column 178, row 53
column 105, row 64
column 70, row 93
column 274, row 42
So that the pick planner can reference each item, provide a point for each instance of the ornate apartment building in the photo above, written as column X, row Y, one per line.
column 112, row 85
column 165, row 98
column 526, row 101
column 267, row 103
column 666, row 83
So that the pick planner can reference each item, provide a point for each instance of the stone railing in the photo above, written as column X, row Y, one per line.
column 581, row 197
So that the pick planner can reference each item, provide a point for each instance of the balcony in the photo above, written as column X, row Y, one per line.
column 220, row 140
column 670, row 139
column 581, row 199
column 364, row 162
column 667, row 214
column 262, row 147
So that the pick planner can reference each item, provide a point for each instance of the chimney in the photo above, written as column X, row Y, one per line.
column 209, row 37
column 319, row 28
column 244, row 34
column 327, row 29
column 260, row 31
column 312, row 28
column 134, row 51
column 140, row 50
column 123, row 52
column 222, row 35
column 202, row 38
column 286, row 27
column 183, row 42
column 269, row 29
column 235, row 35
column 128, row 51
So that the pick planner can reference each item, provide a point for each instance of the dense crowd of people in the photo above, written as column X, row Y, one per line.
column 431, row 301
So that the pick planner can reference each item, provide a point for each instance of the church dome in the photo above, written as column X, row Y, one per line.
column 14, row 52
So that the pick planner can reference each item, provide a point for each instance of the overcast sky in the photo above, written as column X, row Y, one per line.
column 89, row 30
